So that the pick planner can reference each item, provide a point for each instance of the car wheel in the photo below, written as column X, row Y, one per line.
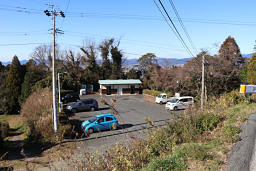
column 92, row 109
column 161, row 103
column 175, row 108
column 73, row 110
column 90, row 130
column 114, row 126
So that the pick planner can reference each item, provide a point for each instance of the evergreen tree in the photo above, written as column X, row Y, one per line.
column 1, row 67
column 92, row 71
column 3, row 90
column 117, row 58
column 33, row 74
column 13, row 85
column 106, row 66
column 133, row 74
column 251, row 71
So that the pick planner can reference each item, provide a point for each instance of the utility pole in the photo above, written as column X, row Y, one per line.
column 60, row 103
column 59, row 92
column 202, row 88
column 54, row 13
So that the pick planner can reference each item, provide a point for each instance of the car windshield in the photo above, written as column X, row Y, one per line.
column 159, row 96
column 93, row 119
column 173, row 100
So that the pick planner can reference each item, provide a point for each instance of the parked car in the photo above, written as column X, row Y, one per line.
column 100, row 123
column 179, row 103
column 72, row 97
column 162, row 98
column 83, row 105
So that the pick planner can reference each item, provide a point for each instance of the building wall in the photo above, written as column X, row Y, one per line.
column 119, row 89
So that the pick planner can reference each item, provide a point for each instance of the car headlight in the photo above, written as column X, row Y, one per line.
column 69, row 107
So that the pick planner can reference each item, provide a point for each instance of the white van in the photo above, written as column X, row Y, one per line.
column 179, row 103
column 161, row 98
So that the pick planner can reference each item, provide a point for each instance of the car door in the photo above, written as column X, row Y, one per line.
column 164, row 98
column 181, row 103
column 99, row 124
column 109, row 122
column 83, row 106
column 78, row 106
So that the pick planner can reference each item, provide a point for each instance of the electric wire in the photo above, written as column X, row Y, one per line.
column 183, row 26
column 177, row 32
column 21, row 44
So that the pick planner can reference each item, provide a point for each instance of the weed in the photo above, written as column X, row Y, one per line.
column 172, row 162
column 231, row 133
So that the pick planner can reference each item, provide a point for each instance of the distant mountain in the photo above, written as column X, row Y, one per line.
column 9, row 62
column 161, row 61
column 247, row 55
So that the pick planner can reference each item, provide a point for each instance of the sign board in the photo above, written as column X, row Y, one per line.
column 247, row 88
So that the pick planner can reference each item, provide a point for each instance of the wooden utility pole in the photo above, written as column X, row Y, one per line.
column 202, row 88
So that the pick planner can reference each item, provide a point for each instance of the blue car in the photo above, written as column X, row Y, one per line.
column 100, row 123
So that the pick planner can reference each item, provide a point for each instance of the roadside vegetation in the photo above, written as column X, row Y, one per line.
column 194, row 140
column 155, row 92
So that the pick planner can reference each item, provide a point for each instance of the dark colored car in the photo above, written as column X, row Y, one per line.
column 83, row 105
column 72, row 97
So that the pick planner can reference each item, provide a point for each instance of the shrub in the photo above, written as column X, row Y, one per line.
column 231, row 133
column 155, row 92
column 37, row 111
column 193, row 151
column 172, row 162
column 206, row 122
column 4, row 127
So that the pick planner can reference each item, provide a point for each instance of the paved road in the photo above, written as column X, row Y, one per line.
column 243, row 154
column 133, row 110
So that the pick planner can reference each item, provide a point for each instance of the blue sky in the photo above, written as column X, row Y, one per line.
column 137, row 23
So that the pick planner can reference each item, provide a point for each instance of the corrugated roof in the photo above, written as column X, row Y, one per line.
column 129, row 81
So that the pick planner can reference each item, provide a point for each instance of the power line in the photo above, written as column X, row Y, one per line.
column 183, row 26
column 126, row 16
column 179, row 36
column 21, row 44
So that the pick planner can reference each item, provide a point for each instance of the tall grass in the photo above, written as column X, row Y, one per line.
column 37, row 111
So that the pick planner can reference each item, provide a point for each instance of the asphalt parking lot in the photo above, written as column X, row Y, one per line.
column 133, row 111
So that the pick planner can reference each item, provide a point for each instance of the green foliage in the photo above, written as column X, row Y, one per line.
column 172, row 162
column 133, row 74
column 146, row 62
column 106, row 66
column 30, row 79
column 13, row 85
column 4, row 127
column 206, row 122
column 92, row 72
column 155, row 92
column 193, row 151
column 46, row 82
column 244, row 74
column 251, row 73
column 231, row 133
column 117, row 57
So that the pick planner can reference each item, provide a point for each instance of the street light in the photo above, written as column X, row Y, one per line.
column 60, row 103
